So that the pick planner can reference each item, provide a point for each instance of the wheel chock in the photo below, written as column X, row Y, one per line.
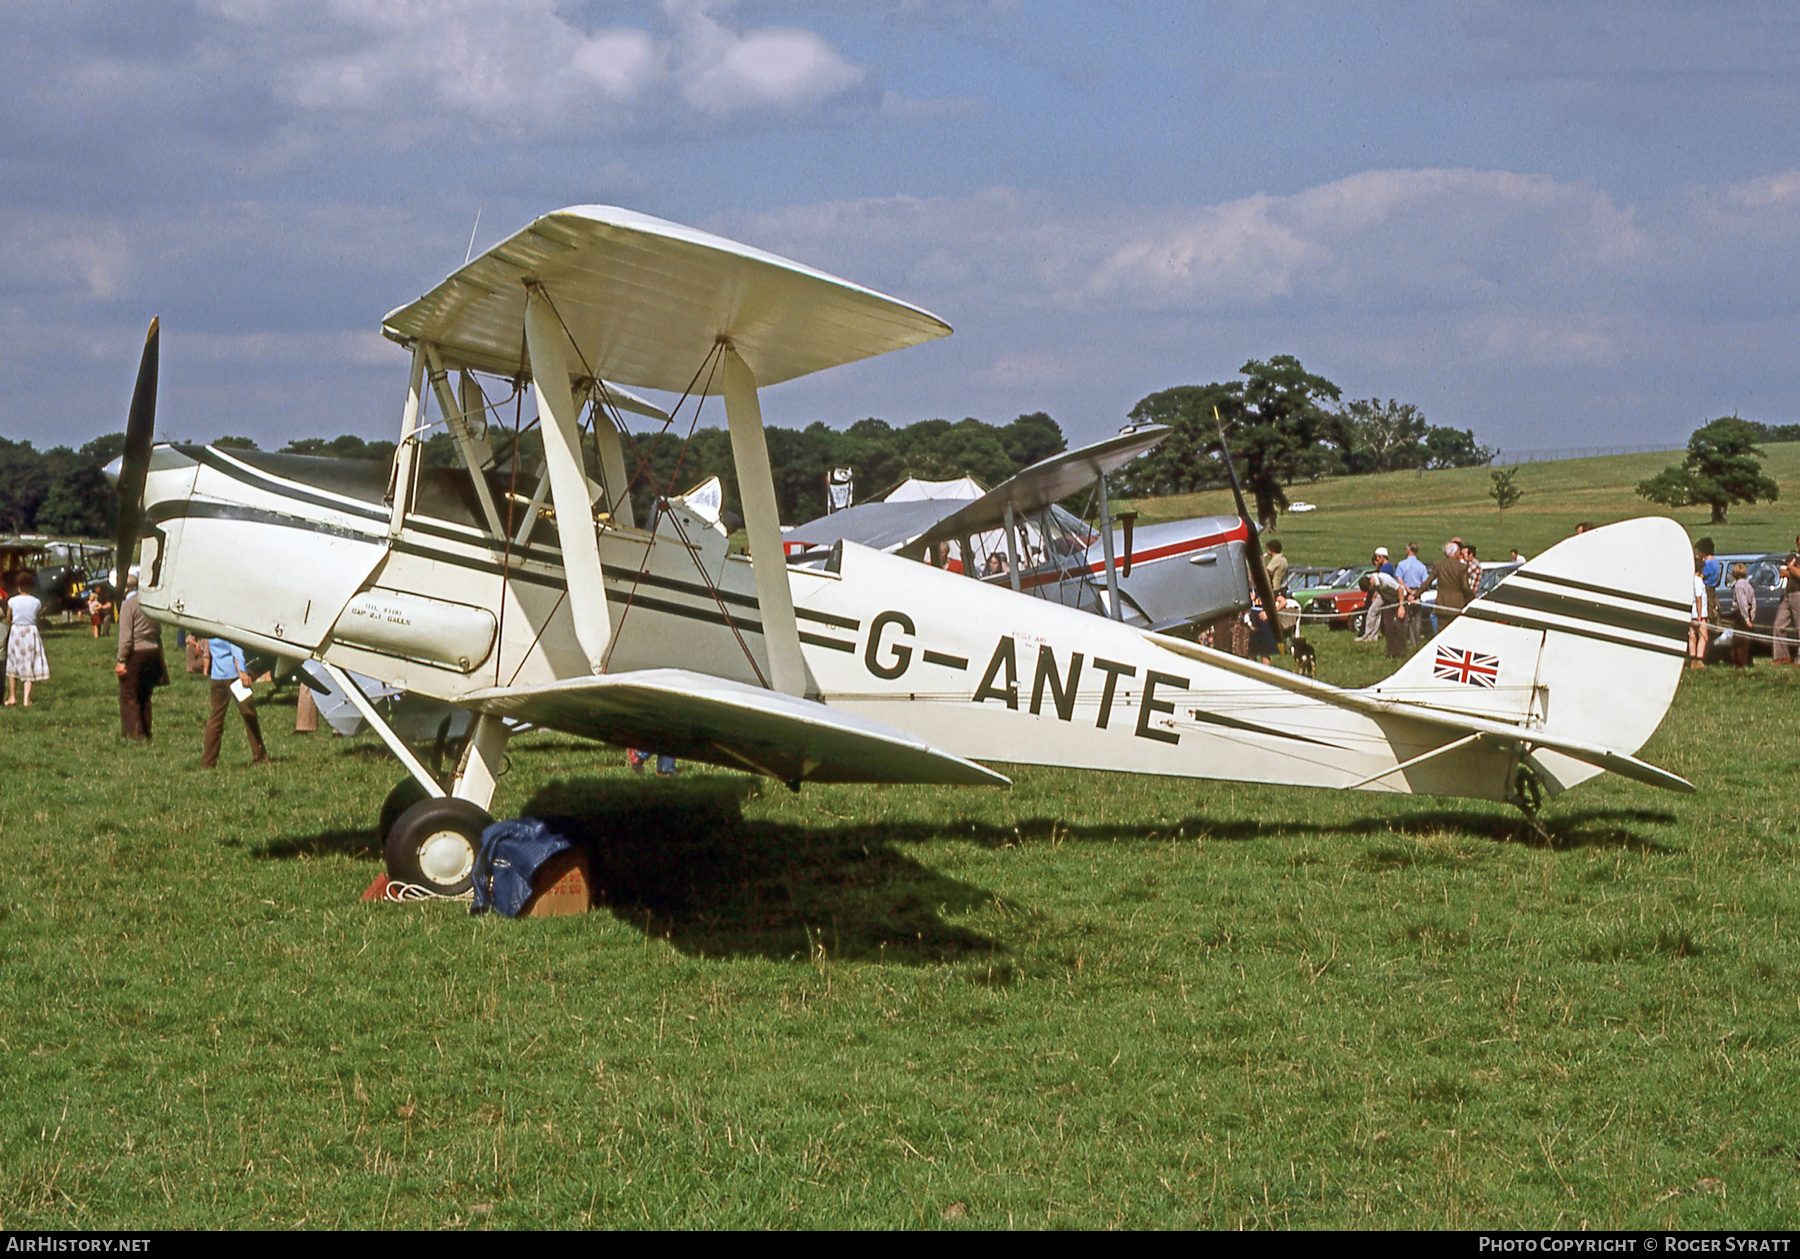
column 560, row 887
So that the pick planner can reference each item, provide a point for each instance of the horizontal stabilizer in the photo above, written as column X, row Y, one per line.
column 709, row 719
column 1501, row 732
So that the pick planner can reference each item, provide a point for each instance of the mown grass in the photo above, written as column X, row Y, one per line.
column 1085, row 1001
column 1358, row 514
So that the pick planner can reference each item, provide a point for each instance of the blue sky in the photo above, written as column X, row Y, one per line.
column 1558, row 224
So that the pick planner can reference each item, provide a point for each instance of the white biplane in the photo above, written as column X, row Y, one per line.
column 542, row 600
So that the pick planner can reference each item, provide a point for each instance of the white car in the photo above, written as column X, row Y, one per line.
column 1302, row 507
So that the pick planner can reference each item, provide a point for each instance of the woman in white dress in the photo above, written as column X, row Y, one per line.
column 25, row 660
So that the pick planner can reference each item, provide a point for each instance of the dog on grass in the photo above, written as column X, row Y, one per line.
column 1305, row 660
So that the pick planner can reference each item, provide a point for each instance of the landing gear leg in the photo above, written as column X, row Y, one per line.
column 483, row 761
column 1528, row 797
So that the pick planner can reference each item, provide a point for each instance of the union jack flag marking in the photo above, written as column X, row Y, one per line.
column 1471, row 668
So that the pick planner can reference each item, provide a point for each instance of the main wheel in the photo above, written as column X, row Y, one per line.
column 434, row 844
column 406, row 793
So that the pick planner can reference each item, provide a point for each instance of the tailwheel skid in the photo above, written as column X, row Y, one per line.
column 1528, row 798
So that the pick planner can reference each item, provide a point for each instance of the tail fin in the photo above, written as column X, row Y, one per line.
column 1585, row 642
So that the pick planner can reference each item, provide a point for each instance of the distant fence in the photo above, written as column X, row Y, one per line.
column 1503, row 458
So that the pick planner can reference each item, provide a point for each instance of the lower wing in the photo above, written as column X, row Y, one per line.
column 709, row 719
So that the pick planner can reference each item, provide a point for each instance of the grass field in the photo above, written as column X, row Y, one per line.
column 1358, row 514
column 1084, row 1001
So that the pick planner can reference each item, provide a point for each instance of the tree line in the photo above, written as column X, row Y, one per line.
column 1284, row 425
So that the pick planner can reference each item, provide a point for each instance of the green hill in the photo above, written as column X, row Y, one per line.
column 1357, row 514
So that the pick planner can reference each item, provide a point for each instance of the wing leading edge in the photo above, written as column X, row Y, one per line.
column 726, row 723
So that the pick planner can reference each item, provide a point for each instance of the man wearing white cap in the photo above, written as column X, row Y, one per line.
column 1371, row 623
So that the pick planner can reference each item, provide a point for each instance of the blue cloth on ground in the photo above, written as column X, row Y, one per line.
column 511, row 853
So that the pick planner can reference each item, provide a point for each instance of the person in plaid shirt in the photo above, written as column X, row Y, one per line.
column 1787, row 612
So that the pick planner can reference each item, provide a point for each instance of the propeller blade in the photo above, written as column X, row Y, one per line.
column 1259, row 574
column 1129, row 520
column 134, row 464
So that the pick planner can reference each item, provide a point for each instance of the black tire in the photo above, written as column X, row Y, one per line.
column 406, row 793
column 1358, row 623
column 434, row 844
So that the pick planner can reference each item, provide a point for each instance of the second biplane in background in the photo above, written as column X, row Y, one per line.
column 1172, row 577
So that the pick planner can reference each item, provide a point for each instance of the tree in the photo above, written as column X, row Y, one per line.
column 881, row 455
column 104, row 449
column 1382, row 437
column 23, row 484
column 1504, row 493
column 1274, row 421
column 1275, row 435
column 1188, row 458
column 1722, row 467
column 1775, row 432
column 80, row 503
column 235, row 443
column 1454, row 448
column 1031, row 438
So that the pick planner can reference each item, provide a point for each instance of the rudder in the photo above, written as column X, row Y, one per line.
column 1585, row 642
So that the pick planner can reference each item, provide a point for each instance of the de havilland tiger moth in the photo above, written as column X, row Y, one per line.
column 536, row 597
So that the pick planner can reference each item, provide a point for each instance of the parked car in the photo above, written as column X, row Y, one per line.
column 1304, row 578
column 1336, row 599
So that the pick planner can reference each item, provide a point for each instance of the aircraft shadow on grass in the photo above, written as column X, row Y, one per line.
column 1578, row 828
column 678, row 860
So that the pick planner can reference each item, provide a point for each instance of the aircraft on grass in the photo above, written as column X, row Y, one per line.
column 533, row 595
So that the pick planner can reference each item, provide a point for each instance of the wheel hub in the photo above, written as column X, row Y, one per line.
column 446, row 857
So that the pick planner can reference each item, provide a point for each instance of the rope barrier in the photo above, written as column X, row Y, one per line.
column 398, row 893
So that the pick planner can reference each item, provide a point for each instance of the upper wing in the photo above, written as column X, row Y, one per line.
column 709, row 719
column 1045, row 482
column 646, row 301
column 882, row 526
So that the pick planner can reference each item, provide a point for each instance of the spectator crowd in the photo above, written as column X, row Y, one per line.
column 1409, row 600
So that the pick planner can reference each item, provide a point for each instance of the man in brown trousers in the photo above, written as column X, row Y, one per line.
column 140, row 667
column 1787, row 612
column 229, row 668
column 1450, row 578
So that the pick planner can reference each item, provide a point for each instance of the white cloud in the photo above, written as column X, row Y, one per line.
column 1493, row 297
column 1236, row 252
column 84, row 256
column 525, row 67
column 1448, row 239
